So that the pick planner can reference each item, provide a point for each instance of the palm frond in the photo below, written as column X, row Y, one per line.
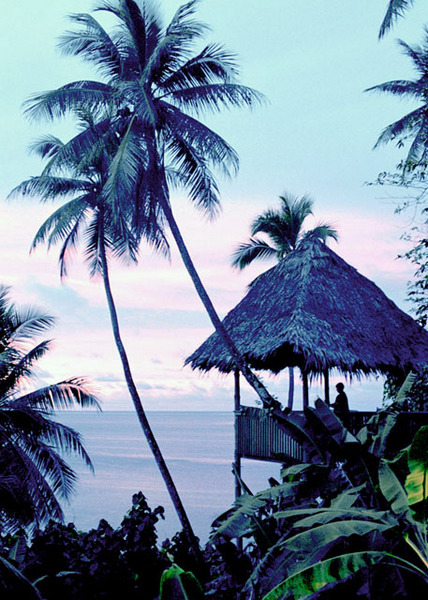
column 148, row 220
column 136, row 26
column 399, row 87
column 62, row 223
column 193, row 133
column 48, row 187
column 418, row 150
column 46, row 147
column 93, row 43
column 212, row 65
column 322, row 231
column 79, row 155
column 55, row 471
column 56, row 103
column 20, row 368
column 195, row 176
column 44, row 503
column 401, row 127
column 416, row 54
column 123, row 172
column 27, row 323
column 214, row 97
column 395, row 9
column 255, row 249
column 277, row 225
column 180, row 35
column 63, row 395
column 95, row 240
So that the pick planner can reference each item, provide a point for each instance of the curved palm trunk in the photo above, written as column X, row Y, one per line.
column 154, row 447
column 252, row 379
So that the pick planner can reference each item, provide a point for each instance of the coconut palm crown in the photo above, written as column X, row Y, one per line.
column 284, row 228
column 154, row 86
column 34, row 476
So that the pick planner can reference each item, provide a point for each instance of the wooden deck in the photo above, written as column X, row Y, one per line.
column 260, row 437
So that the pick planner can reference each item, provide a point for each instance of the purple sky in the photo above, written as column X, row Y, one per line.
column 312, row 60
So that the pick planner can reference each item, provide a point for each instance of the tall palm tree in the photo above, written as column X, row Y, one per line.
column 414, row 125
column 87, row 214
column 34, row 476
column 284, row 229
column 155, row 84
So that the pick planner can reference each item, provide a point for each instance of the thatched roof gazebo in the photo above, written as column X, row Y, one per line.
column 316, row 312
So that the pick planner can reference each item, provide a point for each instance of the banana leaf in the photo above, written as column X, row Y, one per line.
column 416, row 484
column 177, row 584
column 240, row 521
column 405, row 388
column 304, row 549
column 325, row 417
column 347, row 498
column 317, row 516
column 312, row 579
column 289, row 473
column 13, row 581
column 393, row 491
column 374, row 436
column 322, row 535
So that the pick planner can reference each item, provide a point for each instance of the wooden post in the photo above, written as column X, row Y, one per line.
column 290, row 387
column 237, row 457
column 326, row 387
column 305, row 389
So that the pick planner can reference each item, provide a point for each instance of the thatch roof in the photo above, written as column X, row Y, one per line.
column 314, row 311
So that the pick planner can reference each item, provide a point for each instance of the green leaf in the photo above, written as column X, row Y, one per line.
column 315, row 537
column 177, row 584
column 393, row 490
column 416, row 482
column 312, row 579
column 374, row 436
column 241, row 521
column 11, row 577
column 405, row 388
column 317, row 516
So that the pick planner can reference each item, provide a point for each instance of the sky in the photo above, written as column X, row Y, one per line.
column 314, row 135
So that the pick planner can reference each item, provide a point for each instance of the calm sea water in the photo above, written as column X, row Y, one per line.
column 198, row 448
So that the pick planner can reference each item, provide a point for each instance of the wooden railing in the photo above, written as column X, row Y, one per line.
column 259, row 436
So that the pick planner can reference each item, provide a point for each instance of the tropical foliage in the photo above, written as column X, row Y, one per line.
column 342, row 521
column 34, row 476
column 61, row 561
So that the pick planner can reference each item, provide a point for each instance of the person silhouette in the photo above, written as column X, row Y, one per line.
column 341, row 406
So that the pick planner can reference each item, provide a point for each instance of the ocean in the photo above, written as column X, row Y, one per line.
column 198, row 448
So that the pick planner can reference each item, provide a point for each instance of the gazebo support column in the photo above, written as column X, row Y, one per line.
column 290, row 388
column 237, row 458
column 305, row 389
column 326, row 387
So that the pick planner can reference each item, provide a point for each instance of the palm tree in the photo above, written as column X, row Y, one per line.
column 284, row 229
column 34, row 476
column 155, row 86
column 395, row 9
column 86, row 213
column 414, row 125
